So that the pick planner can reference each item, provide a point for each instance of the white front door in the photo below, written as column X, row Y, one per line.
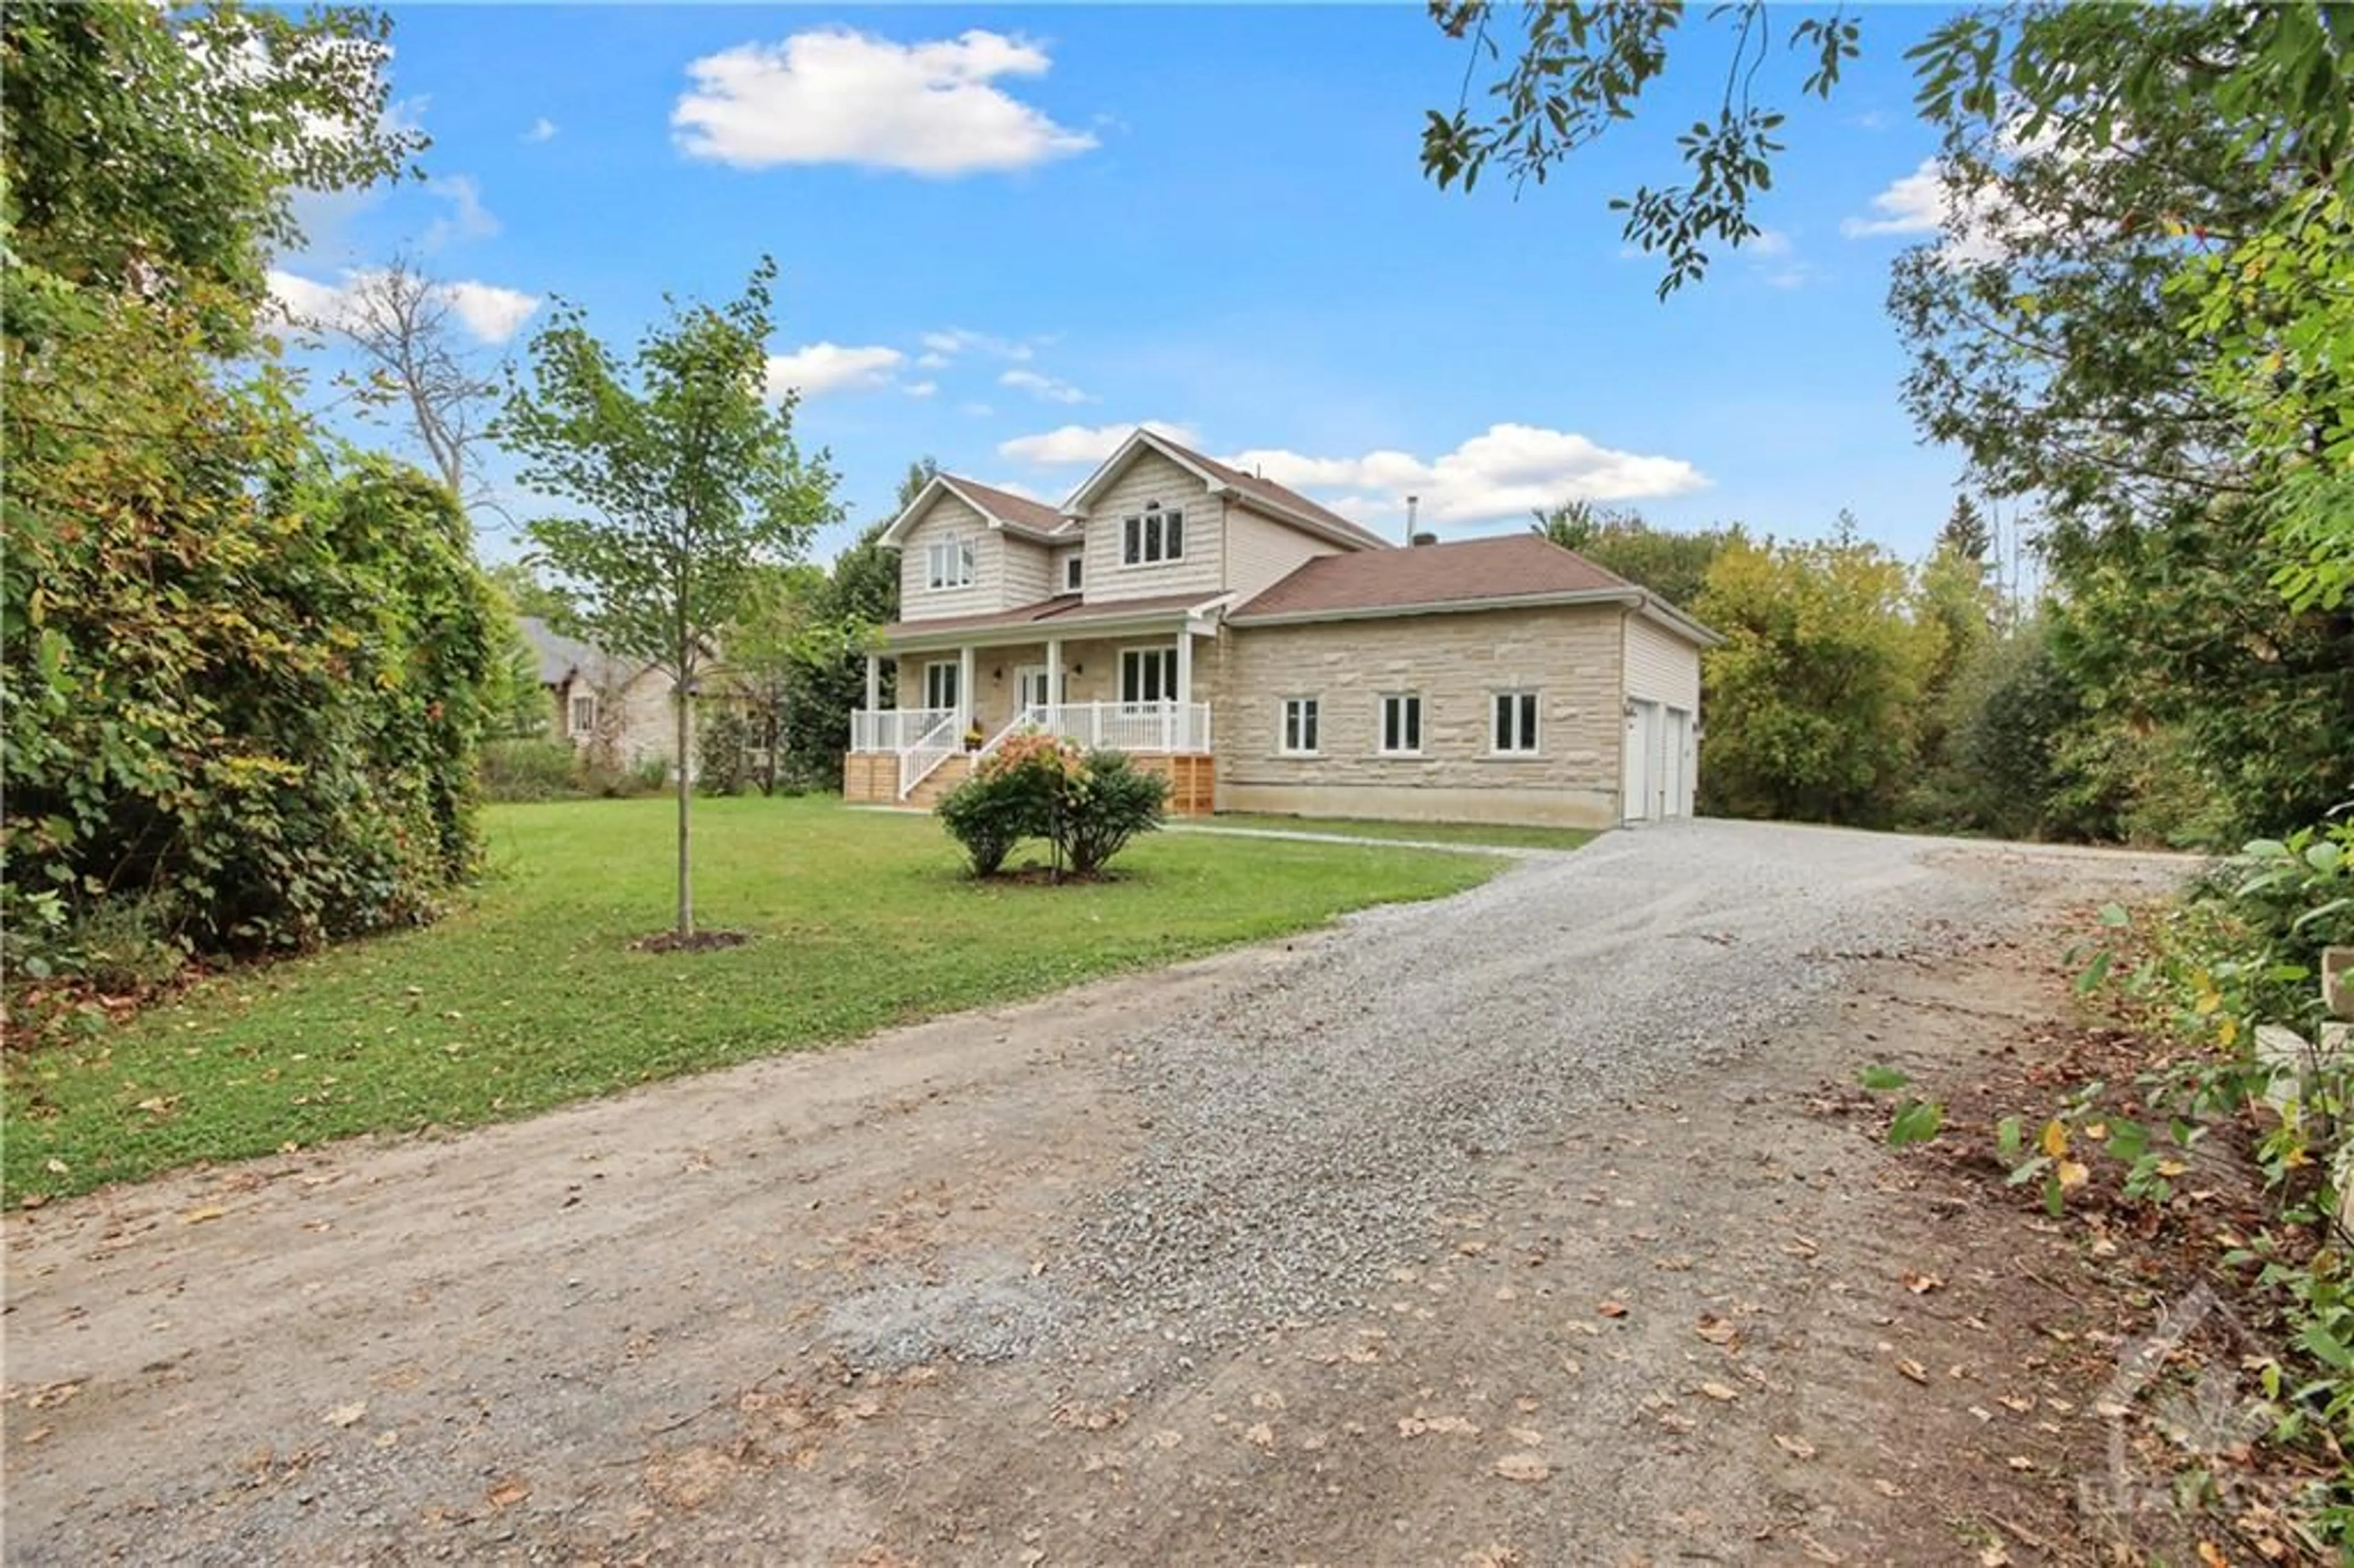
column 1030, row 686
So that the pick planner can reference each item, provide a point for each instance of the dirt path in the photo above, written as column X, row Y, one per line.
column 705, row 1323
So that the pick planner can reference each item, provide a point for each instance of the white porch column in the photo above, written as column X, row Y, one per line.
column 965, row 709
column 1054, row 671
column 1185, row 665
column 874, row 682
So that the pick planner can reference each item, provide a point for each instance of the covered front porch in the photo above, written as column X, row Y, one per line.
column 1123, row 683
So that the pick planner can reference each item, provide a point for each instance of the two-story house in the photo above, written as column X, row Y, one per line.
column 1267, row 654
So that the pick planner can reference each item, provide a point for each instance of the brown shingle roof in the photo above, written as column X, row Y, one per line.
column 1008, row 507
column 1280, row 495
column 1519, row 565
column 1066, row 610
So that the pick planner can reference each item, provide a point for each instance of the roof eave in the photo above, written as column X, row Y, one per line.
column 1354, row 537
column 1625, row 596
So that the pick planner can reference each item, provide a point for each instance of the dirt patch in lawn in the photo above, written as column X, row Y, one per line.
column 797, row 1313
column 696, row 942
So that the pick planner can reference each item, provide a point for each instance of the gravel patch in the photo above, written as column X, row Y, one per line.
column 1310, row 1130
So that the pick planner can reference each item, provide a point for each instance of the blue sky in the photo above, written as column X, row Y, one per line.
column 1009, row 234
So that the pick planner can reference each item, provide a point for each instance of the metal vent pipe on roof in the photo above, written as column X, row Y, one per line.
column 1411, row 502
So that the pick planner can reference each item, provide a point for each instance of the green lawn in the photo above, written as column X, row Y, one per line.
column 528, row 997
column 1429, row 833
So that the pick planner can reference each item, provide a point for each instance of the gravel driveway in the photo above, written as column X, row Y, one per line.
column 1014, row 1286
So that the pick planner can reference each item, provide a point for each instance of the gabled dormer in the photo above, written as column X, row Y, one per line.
column 1159, row 518
column 968, row 548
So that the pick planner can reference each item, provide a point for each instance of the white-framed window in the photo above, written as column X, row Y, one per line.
column 948, row 563
column 1401, row 724
column 1148, row 674
column 1152, row 535
column 1073, row 565
column 1298, row 737
column 584, row 712
column 940, row 683
column 1514, row 731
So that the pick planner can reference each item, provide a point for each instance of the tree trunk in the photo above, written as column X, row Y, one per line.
column 685, row 704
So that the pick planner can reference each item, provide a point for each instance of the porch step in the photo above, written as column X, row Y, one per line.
column 943, row 779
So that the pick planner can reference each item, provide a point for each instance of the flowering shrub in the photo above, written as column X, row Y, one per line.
column 1086, row 806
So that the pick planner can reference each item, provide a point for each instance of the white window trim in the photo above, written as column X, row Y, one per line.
column 572, row 712
column 1535, row 743
column 954, row 665
column 1167, row 652
column 1074, row 572
column 1283, row 747
column 1135, row 520
column 965, row 564
column 1382, row 701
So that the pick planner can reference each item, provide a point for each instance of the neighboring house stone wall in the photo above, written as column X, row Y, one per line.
column 1152, row 477
column 634, row 722
column 1570, row 655
column 1261, row 552
column 1661, row 666
column 948, row 516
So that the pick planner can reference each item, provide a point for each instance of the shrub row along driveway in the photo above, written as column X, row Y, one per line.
column 1384, row 1244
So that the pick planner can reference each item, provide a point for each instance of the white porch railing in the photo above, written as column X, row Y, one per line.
column 1124, row 726
column 893, row 729
column 927, row 752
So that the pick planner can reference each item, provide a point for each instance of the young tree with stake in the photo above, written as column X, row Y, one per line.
column 686, row 479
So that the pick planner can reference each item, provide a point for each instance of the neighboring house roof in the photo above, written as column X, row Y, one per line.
column 1473, row 573
column 1055, row 614
column 1001, row 509
column 1250, row 489
column 561, row 657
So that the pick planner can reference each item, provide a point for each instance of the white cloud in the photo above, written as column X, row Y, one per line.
column 467, row 219
column 491, row 313
column 821, row 368
column 975, row 410
column 1074, row 444
column 297, row 301
column 836, row 96
column 541, row 129
column 1924, row 202
column 920, row 389
column 1015, row 487
column 1913, row 203
column 1045, row 388
column 946, row 346
column 1508, row 471
column 931, row 360
column 1767, row 242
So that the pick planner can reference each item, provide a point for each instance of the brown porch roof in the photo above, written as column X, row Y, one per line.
column 1049, row 615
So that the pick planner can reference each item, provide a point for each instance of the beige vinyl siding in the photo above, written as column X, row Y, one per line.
column 1026, row 576
column 950, row 515
column 1661, row 666
column 1152, row 477
column 1262, row 552
column 1571, row 655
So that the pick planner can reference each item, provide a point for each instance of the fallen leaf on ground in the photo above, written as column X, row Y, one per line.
column 348, row 1415
column 1417, row 1423
column 199, row 1216
column 1888, row 1488
column 509, row 1492
column 1611, row 1309
column 1796, row 1448
column 1262, row 1434
column 1718, row 1391
column 1522, row 1468
column 1922, row 1284
column 1717, row 1330
column 1913, row 1370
